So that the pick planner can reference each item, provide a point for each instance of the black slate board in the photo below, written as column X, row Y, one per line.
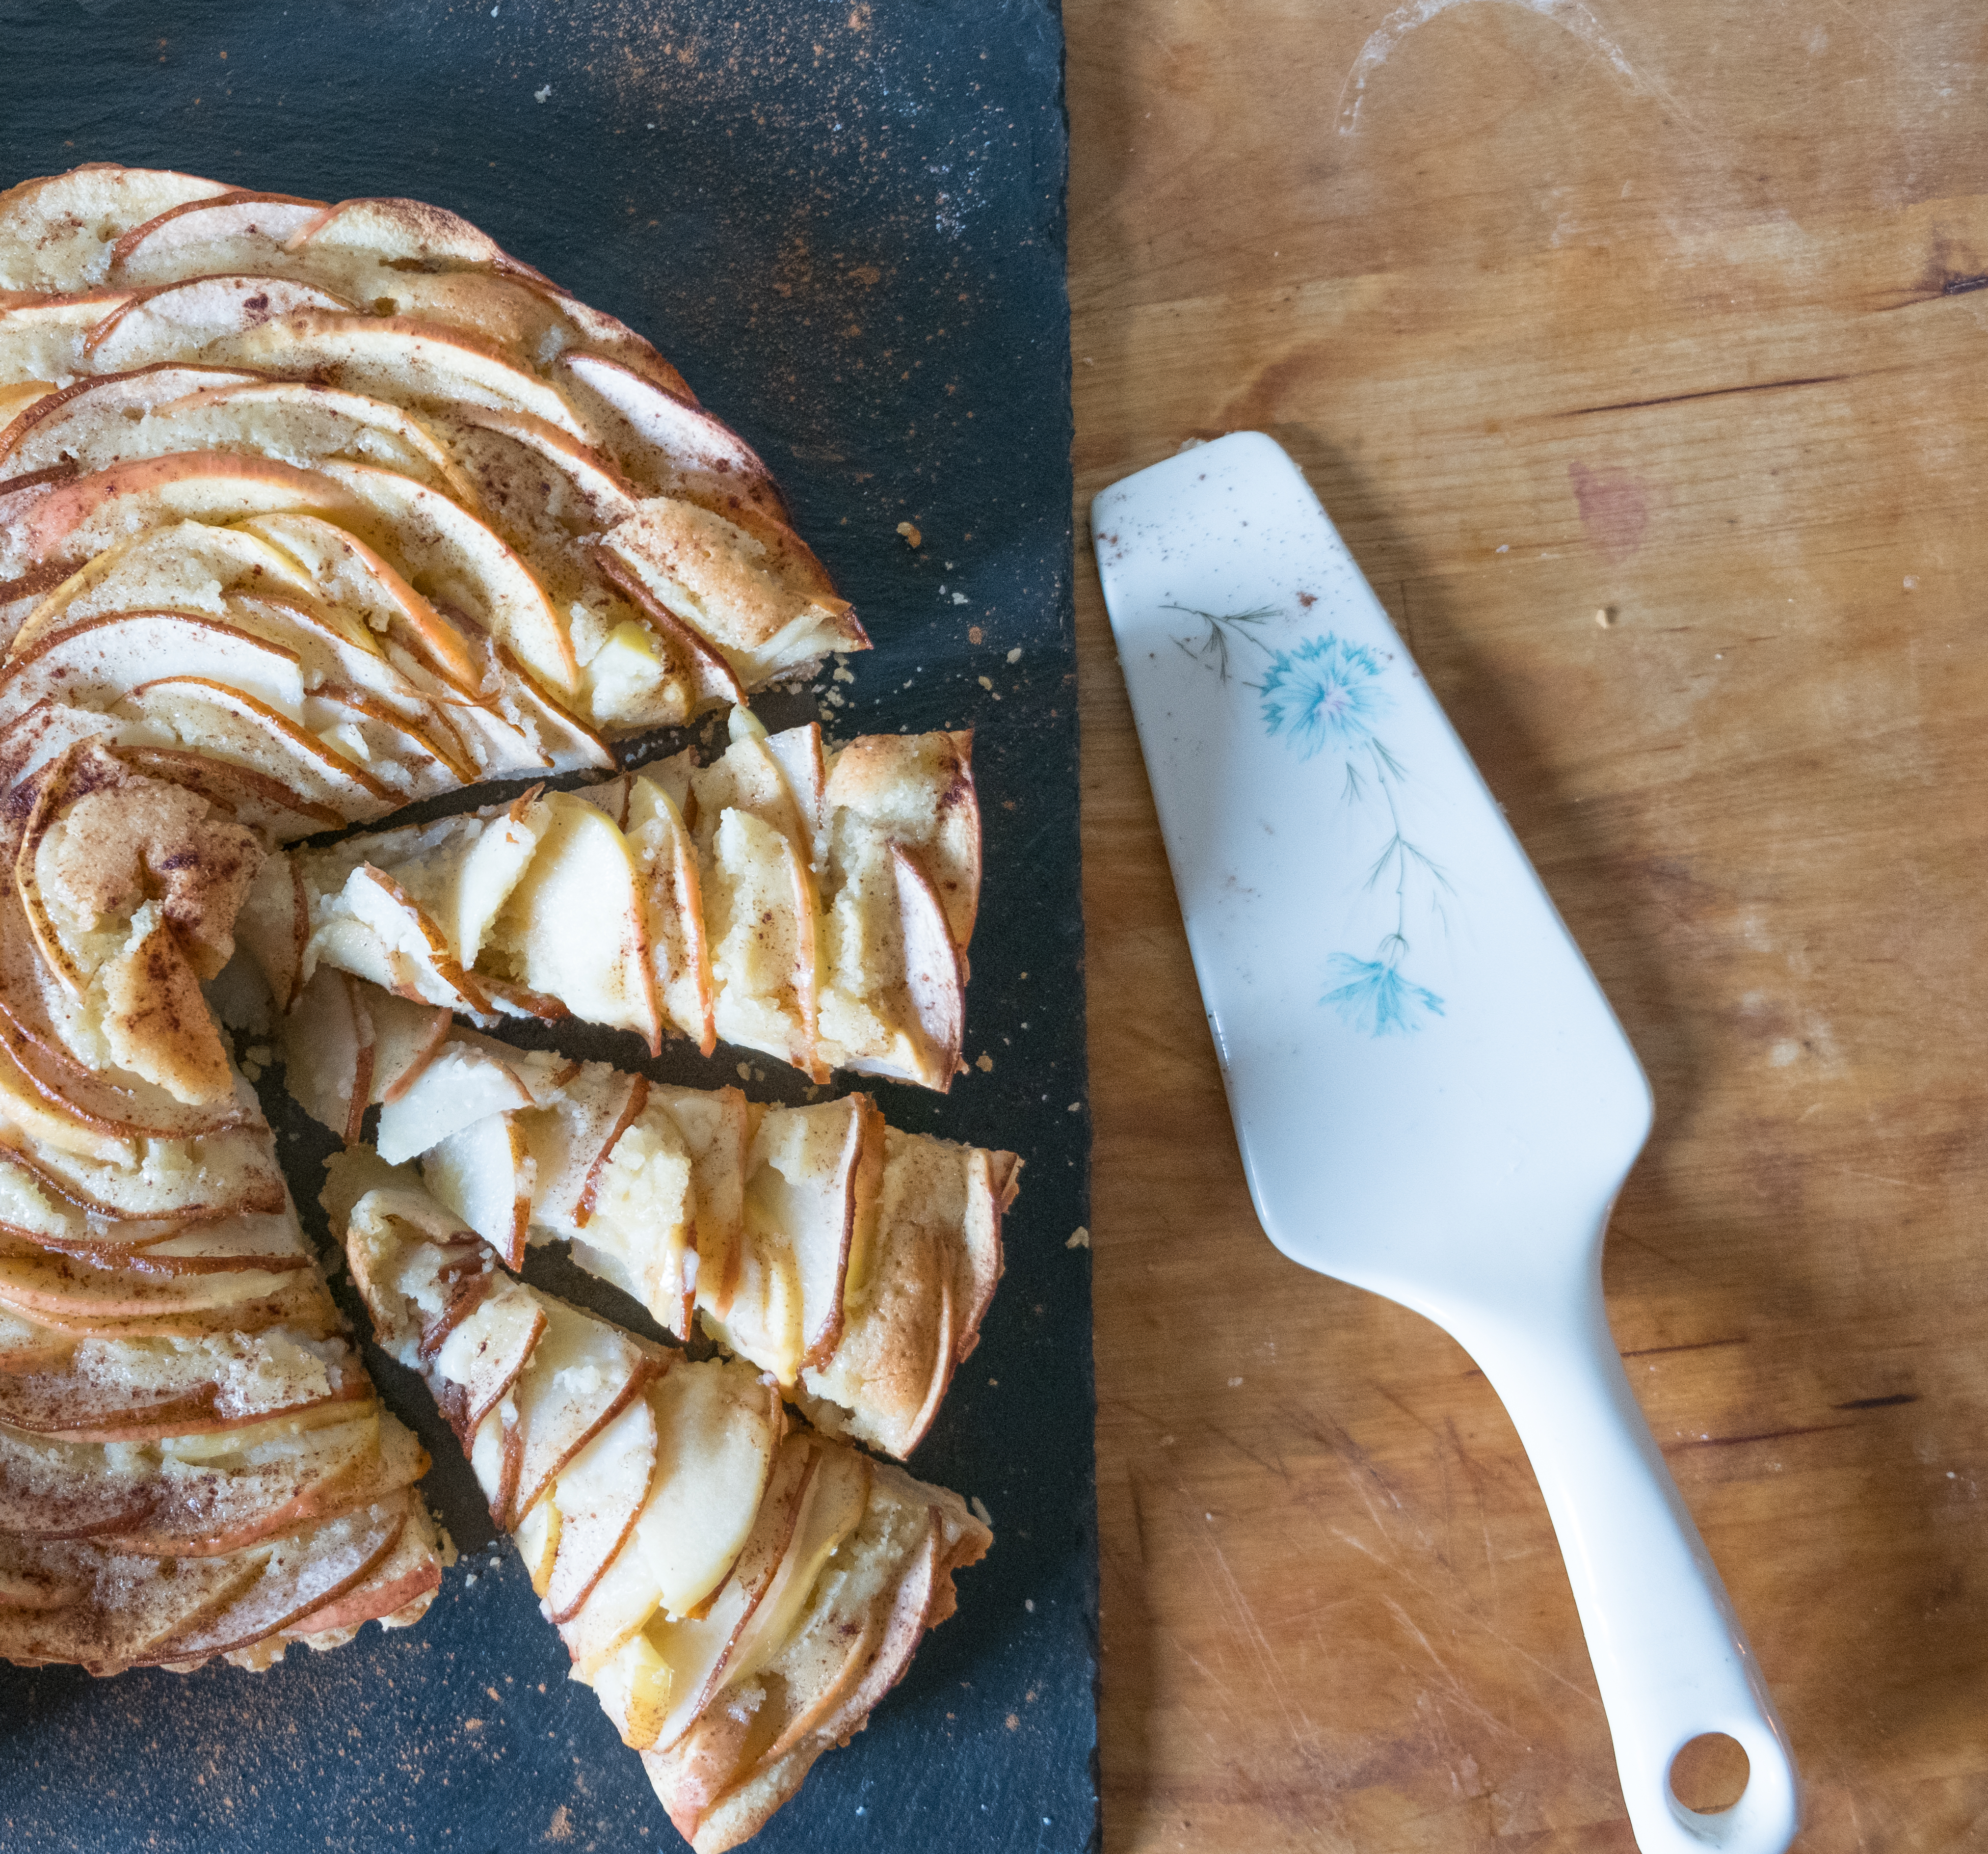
column 846, row 225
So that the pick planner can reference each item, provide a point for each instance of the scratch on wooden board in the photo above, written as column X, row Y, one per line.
column 1307, row 1751
column 1464, row 1615
column 1459, row 1694
column 1570, row 15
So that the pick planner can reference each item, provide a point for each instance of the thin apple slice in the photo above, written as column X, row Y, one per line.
column 225, row 1174
column 273, row 928
column 717, row 1430
column 299, row 1574
column 834, row 1508
column 424, row 962
column 42, row 337
column 699, row 1650
column 667, row 443
column 57, row 232
column 575, row 926
column 199, row 714
column 570, row 1140
column 100, row 660
column 581, row 1373
column 45, row 1119
column 41, row 434
column 732, row 590
column 710, row 677
column 105, row 1610
column 400, row 359
column 445, row 548
column 482, row 1355
column 599, row 1494
column 171, row 321
column 195, row 1496
column 538, row 1540
column 680, row 951
column 189, row 567
column 484, row 1174
column 232, row 232
column 812, row 1177
column 761, row 919
column 64, row 1292
column 459, row 1086
column 935, row 975
column 403, row 234
column 345, row 571
column 248, row 797
column 84, row 516
column 126, row 1106
column 134, row 1390
column 328, row 1053
column 44, row 731
column 302, row 423
column 395, row 1593
column 407, row 1036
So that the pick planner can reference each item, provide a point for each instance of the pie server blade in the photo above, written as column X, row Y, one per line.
column 1433, row 1098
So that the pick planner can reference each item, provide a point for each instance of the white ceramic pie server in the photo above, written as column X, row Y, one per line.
column 1433, row 1098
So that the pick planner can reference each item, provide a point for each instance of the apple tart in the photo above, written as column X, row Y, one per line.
column 738, row 1594
column 851, row 1262
column 812, row 904
column 443, row 446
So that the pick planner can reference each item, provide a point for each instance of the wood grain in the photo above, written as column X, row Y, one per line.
column 1676, row 314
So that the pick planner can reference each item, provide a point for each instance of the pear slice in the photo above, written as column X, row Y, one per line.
column 599, row 1494
column 575, row 927
column 462, row 1083
column 57, row 232
column 484, row 1174
column 170, row 321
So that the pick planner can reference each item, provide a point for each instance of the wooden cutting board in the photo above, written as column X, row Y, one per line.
column 1638, row 350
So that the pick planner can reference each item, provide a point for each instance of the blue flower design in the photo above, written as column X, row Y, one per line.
column 1376, row 999
column 1324, row 693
